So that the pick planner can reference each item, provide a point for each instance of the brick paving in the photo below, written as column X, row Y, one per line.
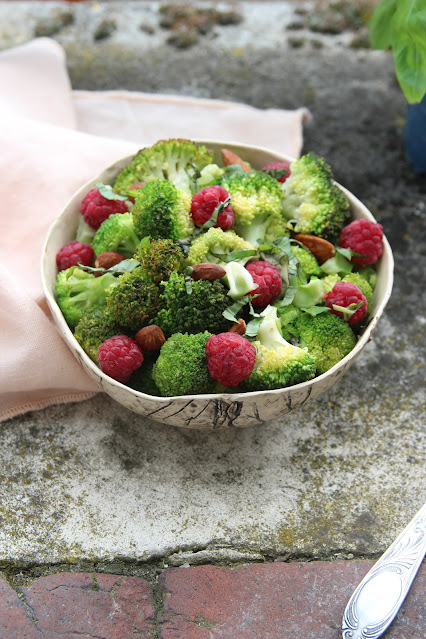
column 256, row 601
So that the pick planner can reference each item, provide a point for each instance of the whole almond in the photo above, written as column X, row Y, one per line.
column 322, row 249
column 239, row 327
column 108, row 259
column 229, row 158
column 150, row 338
column 207, row 271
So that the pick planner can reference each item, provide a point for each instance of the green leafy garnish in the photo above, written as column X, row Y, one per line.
column 316, row 310
column 348, row 311
column 232, row 311
column 106, row 191
column 252, row 327
column 125, row 266
column 234, row 256
column 213, row 218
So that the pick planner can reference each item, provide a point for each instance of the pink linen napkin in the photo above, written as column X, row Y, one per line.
column 53, row 140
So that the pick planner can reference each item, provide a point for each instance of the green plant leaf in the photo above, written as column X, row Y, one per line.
column 410, row 64
column 380, row 25
column 401, row 26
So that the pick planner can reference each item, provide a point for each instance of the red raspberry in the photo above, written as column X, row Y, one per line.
column 363, row 237
column 119, row 356
column 95, row 208
column 344, row 294
column 279, row 170
column 73, row 253
column 230, row 358
column 204, row 203
column 268, row 278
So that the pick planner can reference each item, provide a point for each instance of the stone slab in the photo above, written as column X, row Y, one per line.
column 340, row 477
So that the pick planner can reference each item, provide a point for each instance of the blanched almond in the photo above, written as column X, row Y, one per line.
column 322, row 249
column 108, row 259
column 207, row 271
column 239, row 327
column 229, row 158
column 150, row 338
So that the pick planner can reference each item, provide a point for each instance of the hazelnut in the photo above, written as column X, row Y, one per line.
column 150, row 338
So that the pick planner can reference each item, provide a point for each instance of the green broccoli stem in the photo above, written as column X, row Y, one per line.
column 269, row 334
column 238, row 279
column 254, row 232
column 309, row 294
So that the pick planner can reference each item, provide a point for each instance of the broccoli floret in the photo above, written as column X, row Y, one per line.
column 211, row 174
column 134, row 301
column 307, row 261
column 327, row 337
column 214, row 246
column 162, row 210
column 142, row 379
column 159, row 258
column 313, row 200
column 93, row 329
column 278, row 363
column 369, row 273
column 256, row 199
column 176, row 160
column 193, row 306
column 181, row 368
column 78, row 292
column 329, row 281
column 117, row 233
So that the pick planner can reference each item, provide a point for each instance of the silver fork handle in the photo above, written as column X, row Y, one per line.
column 377, row 599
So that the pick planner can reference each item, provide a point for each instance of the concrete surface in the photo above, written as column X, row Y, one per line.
column 92, row 484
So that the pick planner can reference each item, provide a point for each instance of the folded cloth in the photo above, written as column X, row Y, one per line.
column 52, row 141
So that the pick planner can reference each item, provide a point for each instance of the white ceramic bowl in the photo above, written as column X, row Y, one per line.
column 208, row 411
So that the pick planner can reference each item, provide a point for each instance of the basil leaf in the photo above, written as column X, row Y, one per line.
column 234, row 256
column 106, row 191
column 213, row 218
column 347, row 311
column 188, row 284
column 231, row 312
column 252, row 327
column 125, row 266
column 316, row 310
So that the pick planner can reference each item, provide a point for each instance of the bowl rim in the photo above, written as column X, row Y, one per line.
column 75, row 347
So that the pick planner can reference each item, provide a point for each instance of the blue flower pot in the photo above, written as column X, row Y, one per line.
column 415, row 136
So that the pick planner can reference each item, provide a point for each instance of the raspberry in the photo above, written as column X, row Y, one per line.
column 343, row 294
column 95, row 208
column 73, row 253
column 363, row 237
column 119, row 356
column 279, row 170
column 230, row 358
column 204, row 203
column 268, row 278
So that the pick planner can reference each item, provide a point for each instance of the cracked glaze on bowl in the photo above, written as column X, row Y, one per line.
column 213, row 411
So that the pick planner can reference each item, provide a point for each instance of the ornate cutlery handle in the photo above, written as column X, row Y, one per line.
column 377, row 599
